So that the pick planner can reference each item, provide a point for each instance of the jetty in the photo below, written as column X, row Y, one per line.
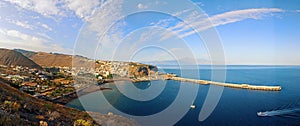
column 230, row 85
column 170, row 76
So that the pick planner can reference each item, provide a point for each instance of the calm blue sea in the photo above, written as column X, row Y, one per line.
column 236, row 107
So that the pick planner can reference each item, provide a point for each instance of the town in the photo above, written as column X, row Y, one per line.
column 54, row 82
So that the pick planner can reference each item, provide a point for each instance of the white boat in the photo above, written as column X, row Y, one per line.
column 262, row 114
column 193, row 106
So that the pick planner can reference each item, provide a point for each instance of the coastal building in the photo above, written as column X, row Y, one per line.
column 29, row 87
column 14, row 78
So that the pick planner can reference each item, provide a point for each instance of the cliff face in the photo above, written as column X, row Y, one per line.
column 11, row 57
column 140, row 70
column 124, row 69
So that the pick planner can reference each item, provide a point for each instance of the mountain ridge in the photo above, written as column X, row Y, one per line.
column 12, row 57
column 45, row 59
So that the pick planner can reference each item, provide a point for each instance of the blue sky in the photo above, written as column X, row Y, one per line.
column 251, row 32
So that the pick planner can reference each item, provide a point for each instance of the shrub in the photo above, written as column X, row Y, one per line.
column 82, row 122
column 48, row 106
column 7, row 102
column 43, row 123
column 16, row 106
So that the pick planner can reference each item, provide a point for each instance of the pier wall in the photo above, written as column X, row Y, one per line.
column 230, row 85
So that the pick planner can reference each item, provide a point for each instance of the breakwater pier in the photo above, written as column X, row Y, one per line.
column 230, row 85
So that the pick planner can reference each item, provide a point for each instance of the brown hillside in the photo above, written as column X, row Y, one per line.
column 58, row 60
column 11, row 57
column 49, row 59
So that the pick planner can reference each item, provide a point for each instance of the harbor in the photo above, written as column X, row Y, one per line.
column 169, row 76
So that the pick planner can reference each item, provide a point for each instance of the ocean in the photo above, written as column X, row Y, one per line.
column 236, row 107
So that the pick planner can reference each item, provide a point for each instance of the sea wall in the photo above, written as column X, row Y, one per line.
column 230, row 85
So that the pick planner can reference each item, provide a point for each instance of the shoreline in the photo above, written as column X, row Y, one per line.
column 78, row 93
column 97, row 87
column 65, row 99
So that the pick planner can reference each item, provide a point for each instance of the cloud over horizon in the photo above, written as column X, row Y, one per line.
column 183, row 29
column 14, row 39
column 110, row 10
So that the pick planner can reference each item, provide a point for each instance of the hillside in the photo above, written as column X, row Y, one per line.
column 12, row 57
column 53, row 59
column 18, row 108
column 62, row 60
column 50, row 59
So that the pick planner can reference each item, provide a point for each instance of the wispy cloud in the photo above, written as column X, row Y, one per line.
column 16, row 39
column 44, row 7
column 199, row 3
column 142, row 6
column 146, row 5
column 99, row 25
column 23, row 24
column 201, row 24
column 54, row 8
column 100, row 14
column 83, row 8
column 37, row 12
column 43, row 35
column 102, row 20
column 45, row 26
column 182, row 12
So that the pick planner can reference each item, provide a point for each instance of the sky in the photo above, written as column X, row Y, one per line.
column 200, row 31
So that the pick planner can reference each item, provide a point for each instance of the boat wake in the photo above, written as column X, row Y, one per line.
column 291, row 111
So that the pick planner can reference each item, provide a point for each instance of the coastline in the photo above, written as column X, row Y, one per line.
column 65, row 99
column 97, row 87
column 71, row 96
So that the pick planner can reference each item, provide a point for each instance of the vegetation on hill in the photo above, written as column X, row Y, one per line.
column 18, row 108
